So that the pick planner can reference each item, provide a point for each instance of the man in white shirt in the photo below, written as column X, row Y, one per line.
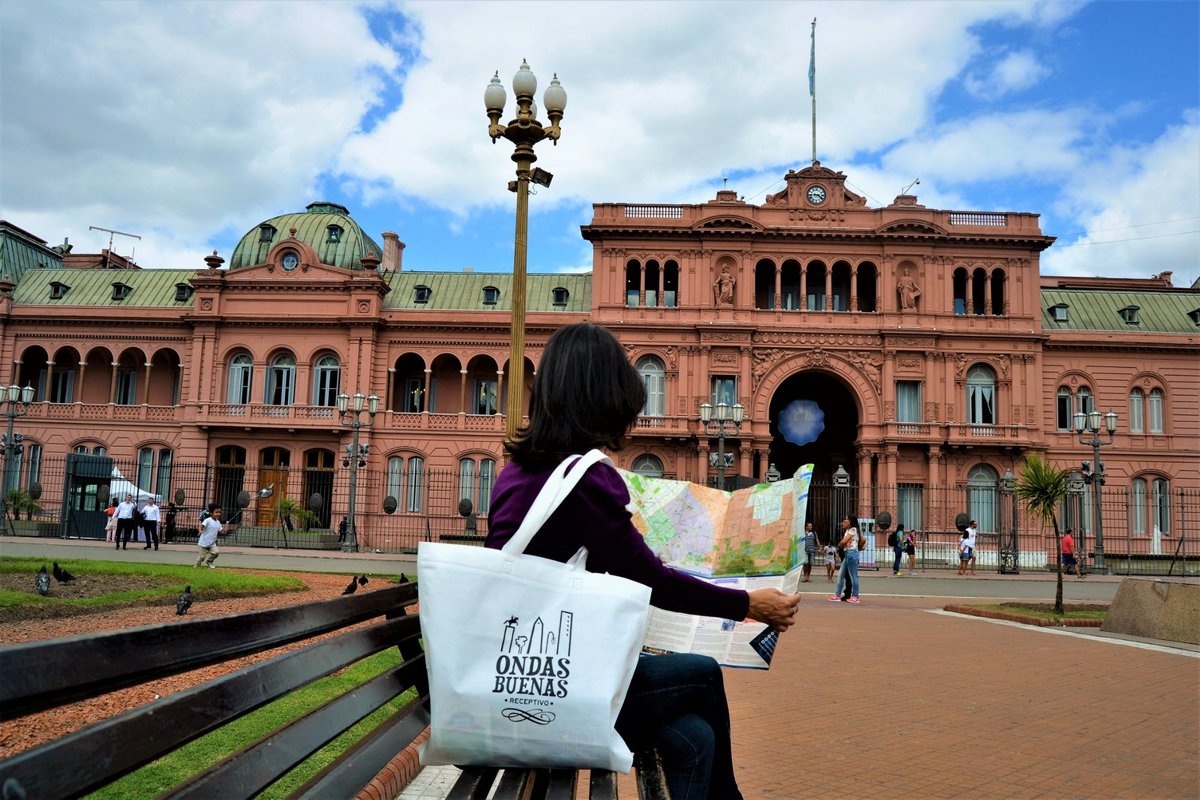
column 126, row 529
column 150, row 516
column 210, row 529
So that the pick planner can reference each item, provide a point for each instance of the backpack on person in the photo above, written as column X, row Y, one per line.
column 892, row 539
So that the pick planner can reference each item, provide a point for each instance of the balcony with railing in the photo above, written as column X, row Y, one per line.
column 104, row 412
column 969, row 434
column 263, row 414
column 663, row 426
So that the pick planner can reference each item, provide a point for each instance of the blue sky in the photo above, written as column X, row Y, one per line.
column 189, row 123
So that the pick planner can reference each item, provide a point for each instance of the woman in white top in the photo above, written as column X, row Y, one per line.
column 851, row 543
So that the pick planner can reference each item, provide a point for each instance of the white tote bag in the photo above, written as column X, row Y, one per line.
column 529, row 659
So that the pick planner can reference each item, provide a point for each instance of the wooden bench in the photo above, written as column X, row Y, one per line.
column 47, row 675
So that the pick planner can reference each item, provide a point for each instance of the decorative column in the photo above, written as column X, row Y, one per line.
column 933, row 500
column 888, row 381
column 48, row 391
column 641, row 284
column 146, row 388
column 387, row 390
column 763, row 457
column 744, row 465
column 778, row 289
column 112, row 393
column 866, row 490
column 828, row 288
column 462, row 391
column 703, row 474
column 804, row 289
column 854, row 288
column 82, row 375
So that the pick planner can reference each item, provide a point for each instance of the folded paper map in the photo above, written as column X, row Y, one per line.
column 747, row 539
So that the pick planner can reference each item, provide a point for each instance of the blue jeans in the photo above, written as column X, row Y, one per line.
column 849, row 567
column 676, row 703
column 899, row 557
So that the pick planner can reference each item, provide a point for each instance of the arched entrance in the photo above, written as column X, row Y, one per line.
column 814, row 420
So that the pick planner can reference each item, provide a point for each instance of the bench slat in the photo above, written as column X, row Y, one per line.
column 516, row 784
column 91, row 664
column 357, row 766
column 257, row 766
column 473, row 784
column 602, row 785
column 98, row 754
column 559, row 784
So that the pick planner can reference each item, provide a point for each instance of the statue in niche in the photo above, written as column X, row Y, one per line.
column 909, row 291
column 723, row 287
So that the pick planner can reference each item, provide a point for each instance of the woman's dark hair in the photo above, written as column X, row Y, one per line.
column 586, row 394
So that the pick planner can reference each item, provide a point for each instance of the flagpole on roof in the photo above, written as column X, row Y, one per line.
column 812, row 86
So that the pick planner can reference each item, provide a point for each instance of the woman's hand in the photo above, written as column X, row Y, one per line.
column 774, row 608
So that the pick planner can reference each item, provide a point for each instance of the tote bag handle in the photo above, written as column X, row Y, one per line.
column 556, row 489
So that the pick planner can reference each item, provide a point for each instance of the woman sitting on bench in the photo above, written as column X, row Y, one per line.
column 586, row 394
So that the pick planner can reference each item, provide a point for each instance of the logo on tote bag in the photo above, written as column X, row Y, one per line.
column 533, row 668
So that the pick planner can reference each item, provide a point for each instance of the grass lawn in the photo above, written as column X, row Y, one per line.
column 104, row 584
column 1046, row 610
column 195, row 757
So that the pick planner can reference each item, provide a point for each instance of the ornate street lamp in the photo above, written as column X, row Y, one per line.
column 524, row 131
column 1010, row 555
column 356, row 455
column 1092, row 424
column 727, row 421
column 16, row 402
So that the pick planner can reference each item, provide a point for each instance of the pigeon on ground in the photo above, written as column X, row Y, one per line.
column 353, row 587
column 61, row 575
column 184, row 601
column 403, row 578
column 42, row 581
column 362, row 580
column 57, row 571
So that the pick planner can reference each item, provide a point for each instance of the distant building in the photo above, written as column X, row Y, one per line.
column 921, row 348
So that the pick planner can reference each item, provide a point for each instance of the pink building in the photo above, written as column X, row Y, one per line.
column 918, row 349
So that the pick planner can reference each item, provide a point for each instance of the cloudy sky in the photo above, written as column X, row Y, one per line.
column 190, row 123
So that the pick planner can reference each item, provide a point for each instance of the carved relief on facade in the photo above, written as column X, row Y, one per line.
column 672, row 354
column 763, row 361
column 847, row 340
column 909, row 362
column 889, row 409
column 960, row 360
column 931, row 412
column 724, row 357
column 1005, row 361
column 868, row 363
column 1031, row 414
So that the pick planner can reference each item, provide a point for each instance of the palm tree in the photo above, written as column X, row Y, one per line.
column 1043, row 487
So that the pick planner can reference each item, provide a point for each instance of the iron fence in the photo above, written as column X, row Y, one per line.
column 1145, row 532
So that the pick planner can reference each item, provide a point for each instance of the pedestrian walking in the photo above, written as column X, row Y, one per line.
column 910, row 549
column 973, row 543
column 810, row 551
column 210, row 530
column 1069, row 560
column 897, row 541
column 830, row 561
column 852, row 543
column 150, row 517
column 126, row 524
column 964, row 553
column 110, row 524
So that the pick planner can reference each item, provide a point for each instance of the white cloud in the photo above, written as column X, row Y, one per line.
column 175, row 120
column 1015, row 72
column 1139, row 210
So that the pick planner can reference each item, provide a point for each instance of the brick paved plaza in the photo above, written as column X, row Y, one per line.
column 888, row 700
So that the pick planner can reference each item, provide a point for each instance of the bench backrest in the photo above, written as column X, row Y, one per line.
column 45, row 675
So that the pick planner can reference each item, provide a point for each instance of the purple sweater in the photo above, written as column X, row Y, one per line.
column 595, row 516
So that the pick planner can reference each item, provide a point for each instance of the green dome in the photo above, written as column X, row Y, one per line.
column 326, row 227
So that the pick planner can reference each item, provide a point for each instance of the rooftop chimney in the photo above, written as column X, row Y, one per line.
column 393, row 252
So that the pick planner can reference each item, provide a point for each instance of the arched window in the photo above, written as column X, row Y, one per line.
column 648, row 465
column 981, row 496
column 651, row 284
column 326, row 381
column 1083, row 400
column 655, row 379
column 1137, row 507
column 466, row 480
column 815, row 280
column 241, row 378
column 487, row 479
column 981, row 395
column 1155, row 411
column 281, row 381
column 789, row 286
column 670, row 284
column 1136, row 410
column 978, row 292
column 1062, row 409
column 406, row 482
column 1160, row 501
column 998, row 292
column 867, row 279
column 633, row 283
column 960, row 291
